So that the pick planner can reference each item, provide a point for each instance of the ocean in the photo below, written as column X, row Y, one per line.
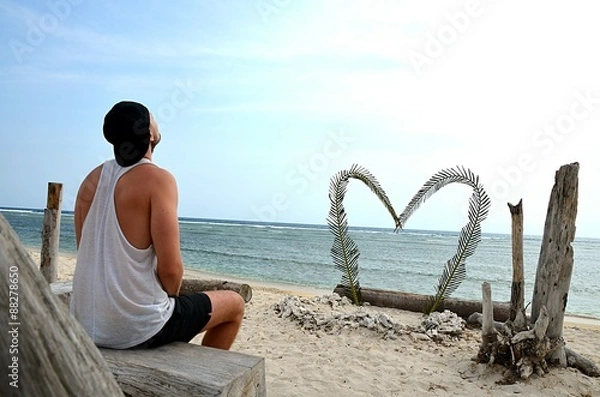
column 299, row 254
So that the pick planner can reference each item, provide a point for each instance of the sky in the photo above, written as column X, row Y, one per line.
column 261, row 102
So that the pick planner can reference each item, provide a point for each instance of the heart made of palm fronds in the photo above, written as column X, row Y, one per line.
column 344, row 250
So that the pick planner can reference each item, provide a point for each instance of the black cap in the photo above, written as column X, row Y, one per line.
column 127, row 128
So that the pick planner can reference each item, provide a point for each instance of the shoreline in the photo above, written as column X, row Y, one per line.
column 573, row 320
column 570, row 319
column 283, row 287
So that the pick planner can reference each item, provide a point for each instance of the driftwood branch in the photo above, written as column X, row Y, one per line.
column 517, row 306
column 539, row 329
column 586, row 366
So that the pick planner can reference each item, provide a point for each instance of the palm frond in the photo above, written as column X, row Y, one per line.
column 362, row 174
column 344, row 250
column 470, row 235
column 434, row 184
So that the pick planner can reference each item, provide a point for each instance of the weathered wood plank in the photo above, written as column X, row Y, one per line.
column 51, row 353
column 182, row 369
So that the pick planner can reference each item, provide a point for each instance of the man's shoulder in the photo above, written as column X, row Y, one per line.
column 151, row 173
column 90, row 181
column 153, row 169
column 95, row 173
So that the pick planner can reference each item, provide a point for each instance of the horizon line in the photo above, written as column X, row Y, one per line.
column 255, row 221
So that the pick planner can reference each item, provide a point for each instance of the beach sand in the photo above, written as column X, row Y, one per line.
column 359, row 362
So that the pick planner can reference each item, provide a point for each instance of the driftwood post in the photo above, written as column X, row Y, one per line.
column 517, row 312
column 45, row 352
column 488, row 332
column 555, row 265
column 51, row 233
column 529, row 349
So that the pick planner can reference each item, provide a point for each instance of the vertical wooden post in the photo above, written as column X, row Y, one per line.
column 518, row 281
column 51, row 233
column 555, row 265
column 487, row 311
column 488, row 332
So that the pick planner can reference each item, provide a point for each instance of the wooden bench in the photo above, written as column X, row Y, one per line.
column 181, row 369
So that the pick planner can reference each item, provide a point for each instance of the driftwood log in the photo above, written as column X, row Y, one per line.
column 191, row 285
column 416, row 302
column 531, row 349
column 64, row 289
column 45, row 352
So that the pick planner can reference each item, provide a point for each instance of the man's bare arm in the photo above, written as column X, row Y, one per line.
column 85, row 196
column 164, row 229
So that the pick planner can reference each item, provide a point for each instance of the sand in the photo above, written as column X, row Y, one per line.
column 359, row 362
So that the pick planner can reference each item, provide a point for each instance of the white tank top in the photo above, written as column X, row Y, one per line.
column 117, row 296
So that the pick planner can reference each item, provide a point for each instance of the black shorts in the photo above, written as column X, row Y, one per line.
column 190, row 315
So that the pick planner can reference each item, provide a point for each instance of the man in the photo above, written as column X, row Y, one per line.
column 129, row 266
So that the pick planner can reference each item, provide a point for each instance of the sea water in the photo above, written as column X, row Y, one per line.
column 299, row 254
